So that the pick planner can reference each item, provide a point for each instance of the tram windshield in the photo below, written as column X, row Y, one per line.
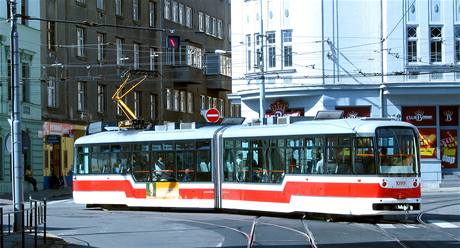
column 397, row 148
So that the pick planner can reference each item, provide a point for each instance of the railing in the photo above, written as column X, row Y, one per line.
column 32, row 217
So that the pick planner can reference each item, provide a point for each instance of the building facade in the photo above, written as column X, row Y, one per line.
column 30, row 92
column 395, row 59
column 90, row 45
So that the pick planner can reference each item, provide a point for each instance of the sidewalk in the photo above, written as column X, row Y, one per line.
column 14, row 240
column 49, row 194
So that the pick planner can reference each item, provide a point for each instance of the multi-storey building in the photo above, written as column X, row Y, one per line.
column 393, row 58
column 29, row 79
column 88, row 45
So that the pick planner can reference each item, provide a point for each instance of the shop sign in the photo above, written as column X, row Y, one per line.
column 280, row 108
column 53, row 139
column 419, row 116
column 448, row 115
column 56, row 128
column 427, row 142
column 449, row 146
column 355, row 111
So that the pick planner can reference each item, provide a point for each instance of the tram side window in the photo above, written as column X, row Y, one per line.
column 314, row 155
column 140, row 162
column 120, row 159
column 339, row 155
column 277, row 160
column 203, row 150
column 364, row 156
column 100, row 159
column 229, row 161
column 294, row 155
column 186, row 169
column 82, row 166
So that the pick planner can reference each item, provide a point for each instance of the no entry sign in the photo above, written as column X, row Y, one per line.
column 212, row 115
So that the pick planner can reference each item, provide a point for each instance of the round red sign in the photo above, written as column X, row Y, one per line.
column 212, row 115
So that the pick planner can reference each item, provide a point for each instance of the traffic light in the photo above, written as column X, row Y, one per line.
column 173, row 41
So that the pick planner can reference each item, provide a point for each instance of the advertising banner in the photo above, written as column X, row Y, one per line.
column 448, row 115
column 162, row 190
column 449, row 146
column 355, row 111
column 427, row 142
column 419, row 116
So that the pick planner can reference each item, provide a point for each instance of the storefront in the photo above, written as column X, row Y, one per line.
column 58, row 140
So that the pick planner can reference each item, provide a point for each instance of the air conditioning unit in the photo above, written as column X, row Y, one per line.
column 170, row 126
column 160, row 128
column 283, row 120
column 189, row 125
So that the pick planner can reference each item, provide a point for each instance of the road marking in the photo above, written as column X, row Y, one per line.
column 386, row 226
column 410, row 226
column 60, row 201
column 443, row 224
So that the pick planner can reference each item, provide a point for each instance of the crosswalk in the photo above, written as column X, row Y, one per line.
column 437, row 223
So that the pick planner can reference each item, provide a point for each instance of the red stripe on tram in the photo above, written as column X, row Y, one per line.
column 368, row 190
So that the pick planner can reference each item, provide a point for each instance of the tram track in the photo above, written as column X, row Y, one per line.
column 421, row 221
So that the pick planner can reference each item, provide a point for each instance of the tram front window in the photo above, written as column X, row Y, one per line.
column 397, row 150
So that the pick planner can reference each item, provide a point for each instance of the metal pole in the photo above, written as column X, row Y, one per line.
column 44, row 221
column 1, row 227
column 381, row 88
column 18, row 170
column 262, row 75
column 35, row 223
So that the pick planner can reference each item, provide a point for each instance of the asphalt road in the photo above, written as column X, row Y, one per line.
column 437, row 226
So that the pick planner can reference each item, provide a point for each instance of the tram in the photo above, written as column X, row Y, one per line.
column 344, row 166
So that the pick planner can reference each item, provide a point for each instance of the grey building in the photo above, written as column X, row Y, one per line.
column 90, row 44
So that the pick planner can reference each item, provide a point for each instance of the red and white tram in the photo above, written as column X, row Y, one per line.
column 344, row 166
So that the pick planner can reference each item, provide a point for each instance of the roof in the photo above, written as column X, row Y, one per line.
column 322, row 127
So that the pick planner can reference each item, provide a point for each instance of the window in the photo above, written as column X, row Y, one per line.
column 136, row 10
column 183, row 101
column 436, row 44
column 207, row 24
column 100, row 5
column 81, row 97
column 51, row 36
column 176, row 100
column 137, row 103
column 136, row 55
column 214, row 26
column 188, row 17
column 202, row 102
column 225, row 65
column 338, row 156
column 209, row 99
column 25, row 82
column 52, row 93
column 153, row 106
column 167, row 11
column 118, row 9
column 286, row 36
column 219, row 29
column 168, row 99
column 174, row 11
column 119, row 45
column 81, row 1
column 193, row 56
column 9, row 77
column 24, row 11
column 152, row 11
column 364, row 156
column 221, row 107
column 190, row 102
column 80, row 42
column 153, row 58
column 271, row 49
column 258, row 53
column 100, row 47
column 101, row 98
column 411, row 44
column 248, row 52
column 457, row 43
column 181, row 14
column 214, row 102
column 200, row 22
column 397, row 148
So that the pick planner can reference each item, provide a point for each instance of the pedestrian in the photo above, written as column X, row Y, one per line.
column 29, row 178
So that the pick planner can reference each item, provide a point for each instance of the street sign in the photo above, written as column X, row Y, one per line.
column 212, row 115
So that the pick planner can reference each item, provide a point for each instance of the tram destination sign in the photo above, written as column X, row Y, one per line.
column 212, row 115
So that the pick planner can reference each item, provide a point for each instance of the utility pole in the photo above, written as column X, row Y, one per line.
column 382, row 86
column 16, row 139
column 261, row 67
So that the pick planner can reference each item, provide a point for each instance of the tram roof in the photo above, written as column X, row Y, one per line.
column 340, row 126
column 123, row 136
column 316, row 127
